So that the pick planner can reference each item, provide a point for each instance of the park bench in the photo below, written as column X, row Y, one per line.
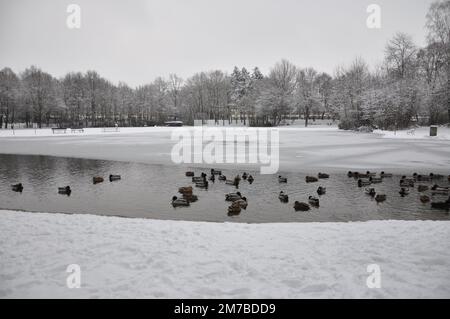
column 77, row 130
column 59, row 130
column 111, row 129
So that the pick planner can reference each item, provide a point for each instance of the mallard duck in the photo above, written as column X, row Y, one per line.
column 97, row 180
column 190, row 174
column 364, row 182
column 436, row 176
column 321, row 190
column 354, row 174
column 185, row 190
column 370, row 192
column 303, row 207
column 18, row 188
column 424, row 199
column 198, row 179
column 282, row 179
column 113, row 178
column 250, row 179
column 234, row 209
column 385, row 175
column 442, row 205
column 178, row 202
column 422, row 178
column 375, row 180
column 436, row 189
column 203, row 184
column 313, row 201
column 64, row 190
column 406, row 182
column 244, row 176
column 242, row 202
column 284, row 198
column 380, row 198
column 311, row 179
column 404, row 191
column 323, row 176
column 231, row 197
column 369, row 174
column 422, row 188
column 190, row 198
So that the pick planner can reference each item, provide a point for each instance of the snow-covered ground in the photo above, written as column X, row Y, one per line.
column 301, row 149
column 165, row 259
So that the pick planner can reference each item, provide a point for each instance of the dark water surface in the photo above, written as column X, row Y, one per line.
column 146, row 190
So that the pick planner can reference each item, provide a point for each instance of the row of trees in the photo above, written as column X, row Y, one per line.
column 411, row 85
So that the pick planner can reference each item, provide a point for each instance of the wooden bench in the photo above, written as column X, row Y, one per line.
column 59, row 130
column 111, row 129
column 77, row 130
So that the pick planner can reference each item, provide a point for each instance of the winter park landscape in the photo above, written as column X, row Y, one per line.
column 279, row 182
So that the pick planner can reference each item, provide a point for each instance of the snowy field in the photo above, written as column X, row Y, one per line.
column 165, row 259
column 301, row 149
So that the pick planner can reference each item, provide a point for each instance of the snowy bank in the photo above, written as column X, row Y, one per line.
column 166, row 259
column 301, row 149
column 422, row 133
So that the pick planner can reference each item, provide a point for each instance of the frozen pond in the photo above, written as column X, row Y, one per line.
column 146, row 190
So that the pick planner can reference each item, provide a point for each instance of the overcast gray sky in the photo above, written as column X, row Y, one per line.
column 137, row 40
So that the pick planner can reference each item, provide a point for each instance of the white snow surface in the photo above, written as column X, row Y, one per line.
column 122, row 257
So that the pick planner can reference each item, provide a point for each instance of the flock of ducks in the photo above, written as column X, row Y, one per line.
column 406, row 183
column 239, row 202
column 66, row 190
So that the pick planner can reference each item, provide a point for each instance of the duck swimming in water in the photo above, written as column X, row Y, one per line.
column 64, row 190
column 424, row 199
column 311, row 179
column 313, row 201
column 282, row 179
column 323, row 176
column 18, row 188
column 422, row 188
column 371, row 192
column 380, row 198
column 234, row 209
column 442, row 205
column 284, row 198
column 404, row 191
column 375, row 180
column 364, row 182
column 242, row 202
column 113, row 178
column 302, row 207
column 97, row 180
column 231, row 197
column 385, row 175
column 179, row 202
column 321, row 190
